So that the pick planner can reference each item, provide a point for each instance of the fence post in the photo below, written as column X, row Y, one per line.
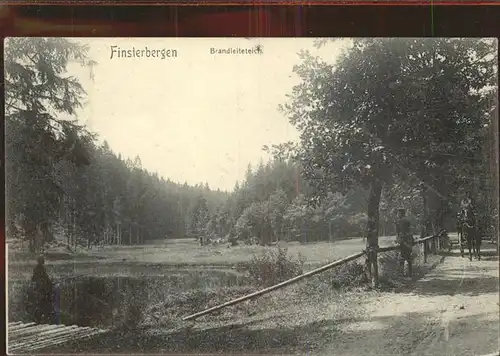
column 375, row 269
column 425, row 251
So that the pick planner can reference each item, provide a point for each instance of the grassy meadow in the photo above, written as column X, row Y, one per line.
column 165, row 255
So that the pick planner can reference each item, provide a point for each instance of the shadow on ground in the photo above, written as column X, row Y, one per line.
column 473, row 279
column 396, row 282
column 470, row 286
column 486, row 255
column 388, row 335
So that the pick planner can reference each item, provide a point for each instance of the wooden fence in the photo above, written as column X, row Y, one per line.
column 431, row 245
column 29, row 337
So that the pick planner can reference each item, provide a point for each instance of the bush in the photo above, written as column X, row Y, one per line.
column 389, row 268
column 273, row 267
column 349, row 275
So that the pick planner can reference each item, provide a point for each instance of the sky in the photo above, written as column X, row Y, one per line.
column 198, row 117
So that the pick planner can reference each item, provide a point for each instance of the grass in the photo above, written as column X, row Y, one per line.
column 142, row 292
column 175, row 257
column 176, row 267
column 179, row 253
column 265, row 324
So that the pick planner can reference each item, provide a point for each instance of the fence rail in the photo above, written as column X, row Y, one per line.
column 277, row 286
column 30, row 337
column 331, row 265
column 423, row 240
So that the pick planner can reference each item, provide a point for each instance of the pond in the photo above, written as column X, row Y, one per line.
column 112, row 302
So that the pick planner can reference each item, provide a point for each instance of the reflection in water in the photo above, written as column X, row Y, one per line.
column 115, row 302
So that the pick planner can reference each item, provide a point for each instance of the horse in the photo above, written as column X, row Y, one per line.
column 471, row 233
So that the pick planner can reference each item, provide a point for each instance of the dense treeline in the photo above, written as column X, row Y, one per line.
column 361, row 155
column 59, row 180
column 105, row 200
column 117, row 201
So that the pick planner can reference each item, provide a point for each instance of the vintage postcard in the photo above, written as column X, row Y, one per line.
column 334, row 196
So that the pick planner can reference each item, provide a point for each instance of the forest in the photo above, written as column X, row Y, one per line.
column 394, row 123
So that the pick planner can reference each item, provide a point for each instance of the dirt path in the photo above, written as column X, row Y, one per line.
column 453, row 310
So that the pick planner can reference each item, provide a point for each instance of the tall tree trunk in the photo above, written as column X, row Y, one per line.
column 425, row 225
column 372, row 227
column 68, row 227
column 303, row 235
column 426, row 228
column 31, row 236
column 75, row 236
column 45, row 232
column 436, row 208
column 39, row 238
column 437, row 205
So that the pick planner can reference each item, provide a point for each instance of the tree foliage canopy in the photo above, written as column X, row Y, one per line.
column 395, row 109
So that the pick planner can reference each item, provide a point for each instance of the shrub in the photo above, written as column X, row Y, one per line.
column 389, row 267
column 351, row 274
column 133, row 310
column 273, row 267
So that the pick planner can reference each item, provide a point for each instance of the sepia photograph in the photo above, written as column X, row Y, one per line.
column 279, row 196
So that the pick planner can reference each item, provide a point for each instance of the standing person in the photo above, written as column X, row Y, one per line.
column 405, row 240
column 41, row 294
